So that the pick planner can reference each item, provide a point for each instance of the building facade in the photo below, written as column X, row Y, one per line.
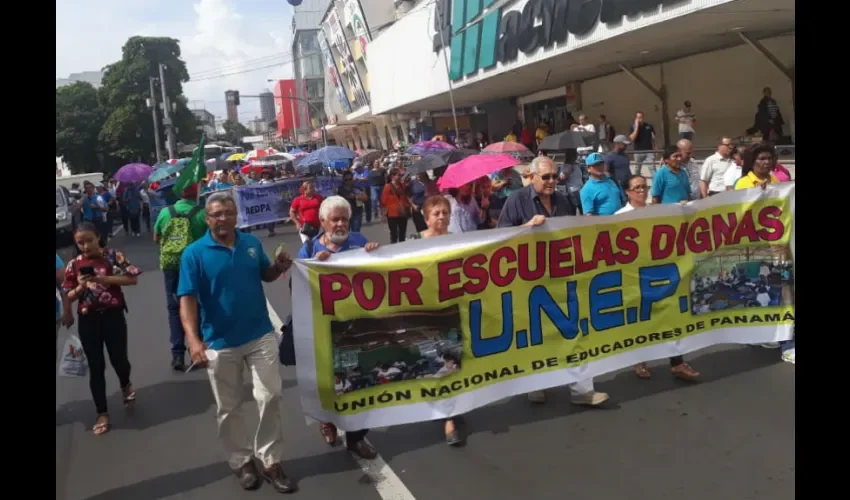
column 308, row 68
column 344, row 42
column 286, row 110
column 267, row 106
column 231, row 98
column 206, row 121
column 504, row 60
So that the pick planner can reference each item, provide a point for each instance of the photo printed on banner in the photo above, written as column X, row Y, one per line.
column 737, row 278
column 373, row 351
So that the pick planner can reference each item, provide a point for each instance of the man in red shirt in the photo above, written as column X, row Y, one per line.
column 305, row 210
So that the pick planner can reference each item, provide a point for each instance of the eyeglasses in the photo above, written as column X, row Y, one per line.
column 640, row 187
column 549, row 177
column 222, row 215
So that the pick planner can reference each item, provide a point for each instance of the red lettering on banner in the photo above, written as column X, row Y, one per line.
column 446, row 279
column 627, row 243
column 379, row 289
column 476, row 273
column 405, row 282
column 559, row 253
column 330, row 294
column 509, row 256
column 663, row 241
column 773, row 228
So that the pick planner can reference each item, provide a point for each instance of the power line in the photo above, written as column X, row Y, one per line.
column 230, row 70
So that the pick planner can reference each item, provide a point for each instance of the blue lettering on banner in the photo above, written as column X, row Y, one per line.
column 266, row 203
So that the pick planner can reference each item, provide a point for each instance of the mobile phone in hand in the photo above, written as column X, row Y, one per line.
column 87, row 271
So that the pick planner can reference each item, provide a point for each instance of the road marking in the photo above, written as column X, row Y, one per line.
column 381, row 476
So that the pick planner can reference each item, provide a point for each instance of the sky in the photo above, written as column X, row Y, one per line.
column 226, row 44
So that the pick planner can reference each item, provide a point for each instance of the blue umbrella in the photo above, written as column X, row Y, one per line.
column 225, row 156
column 327, row 155
column 164, row 172
column 295, row 151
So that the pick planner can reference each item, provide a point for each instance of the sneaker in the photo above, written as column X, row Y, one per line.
column 591, row 398
column 789, row 355
column 770, row 345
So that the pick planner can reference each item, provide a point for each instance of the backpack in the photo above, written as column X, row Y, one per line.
column 175, row 238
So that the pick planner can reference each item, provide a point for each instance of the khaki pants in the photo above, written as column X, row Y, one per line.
column 226, row 375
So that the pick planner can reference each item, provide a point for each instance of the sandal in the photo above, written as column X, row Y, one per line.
column 129, row 396
column 642, row 371
column 101, row 425
column 329, row 432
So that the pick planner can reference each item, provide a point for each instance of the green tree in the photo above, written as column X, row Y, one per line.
column 234, row 132
column 79, row 118
column 128, row 130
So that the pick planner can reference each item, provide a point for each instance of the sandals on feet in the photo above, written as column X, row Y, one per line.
column 101, row 425
column 329, row 433
column 642, row 371
column 129, row 396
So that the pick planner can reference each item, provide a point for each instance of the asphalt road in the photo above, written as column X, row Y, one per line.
column 730, row 436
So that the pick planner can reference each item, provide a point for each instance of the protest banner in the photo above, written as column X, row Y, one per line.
column 265, row 203
column 433, row 328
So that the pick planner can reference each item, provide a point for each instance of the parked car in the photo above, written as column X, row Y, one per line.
column 67, row 214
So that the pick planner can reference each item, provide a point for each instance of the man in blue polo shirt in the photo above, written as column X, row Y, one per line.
column 222, row 274
column 671, row 183
column 600, row 194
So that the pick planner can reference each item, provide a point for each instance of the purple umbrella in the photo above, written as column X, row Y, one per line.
column 133, row 172
column 428, row 147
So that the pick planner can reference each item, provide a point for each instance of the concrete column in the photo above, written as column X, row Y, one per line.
column 405, row 128
column 392, row 125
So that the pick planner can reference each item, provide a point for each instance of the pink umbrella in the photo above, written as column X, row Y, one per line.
column 472, row 168
column 506, row 147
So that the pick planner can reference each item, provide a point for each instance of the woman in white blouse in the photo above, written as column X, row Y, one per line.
column 636, row 189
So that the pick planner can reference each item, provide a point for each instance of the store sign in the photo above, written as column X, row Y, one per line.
column 338, row 40
column 481, row 33
column 333, row 73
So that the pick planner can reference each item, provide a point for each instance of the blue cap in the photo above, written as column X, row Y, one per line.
column 593, row 159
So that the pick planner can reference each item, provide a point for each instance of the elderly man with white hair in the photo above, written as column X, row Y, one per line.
column 335, row 237
column 531, row 206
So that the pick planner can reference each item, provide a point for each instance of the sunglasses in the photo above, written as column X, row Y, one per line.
column 549, row 177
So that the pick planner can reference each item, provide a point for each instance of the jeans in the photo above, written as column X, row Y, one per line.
column 686, row 135
column 367, row 210
column 356, row 221
column 98, row 329
column 376, row 200
column 644, row 158
column 178, row 336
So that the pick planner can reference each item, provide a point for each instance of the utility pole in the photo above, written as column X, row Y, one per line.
column 152, row 105
column 166, row 115
column 294, row 119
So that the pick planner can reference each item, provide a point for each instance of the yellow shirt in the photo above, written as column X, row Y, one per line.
column 750, row 181
column 541, row 134
column 510, row 138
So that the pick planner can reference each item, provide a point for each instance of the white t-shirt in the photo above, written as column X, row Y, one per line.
column 731, row 176
column 627, row 208
column 686, row 120
column 713, row 169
